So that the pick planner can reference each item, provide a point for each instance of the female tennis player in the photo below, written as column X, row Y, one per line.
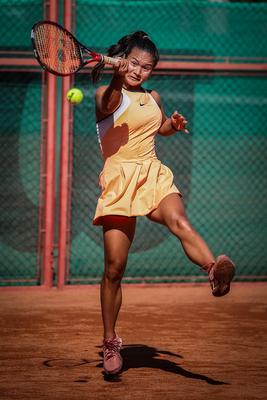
column 135, row 183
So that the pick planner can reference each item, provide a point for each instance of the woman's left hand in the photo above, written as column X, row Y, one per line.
column 179, row 122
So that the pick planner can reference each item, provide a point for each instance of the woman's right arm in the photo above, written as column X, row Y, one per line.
column 108, row 98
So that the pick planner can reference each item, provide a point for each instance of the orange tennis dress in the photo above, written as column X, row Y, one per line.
column 133, row 180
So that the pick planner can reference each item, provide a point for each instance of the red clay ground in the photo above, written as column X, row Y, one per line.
column 179, row 343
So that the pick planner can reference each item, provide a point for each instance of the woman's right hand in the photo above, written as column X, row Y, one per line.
column 108, row 98
column 121, row 67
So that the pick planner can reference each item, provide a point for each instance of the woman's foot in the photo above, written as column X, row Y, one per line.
column 221, row 274
column 112, row 357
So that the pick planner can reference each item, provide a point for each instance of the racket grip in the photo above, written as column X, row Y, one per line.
column 110, row 60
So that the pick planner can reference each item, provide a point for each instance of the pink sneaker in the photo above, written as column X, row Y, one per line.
column 112, row 358
column 221, row 274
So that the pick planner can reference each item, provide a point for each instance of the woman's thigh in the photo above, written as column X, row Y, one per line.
column 169, row 209
column 118, row 233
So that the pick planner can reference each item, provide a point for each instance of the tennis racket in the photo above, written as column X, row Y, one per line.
column 59, row 52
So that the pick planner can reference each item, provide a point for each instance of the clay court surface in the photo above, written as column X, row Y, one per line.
column 179, row 343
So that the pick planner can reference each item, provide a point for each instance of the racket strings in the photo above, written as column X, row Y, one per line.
column 57, row 50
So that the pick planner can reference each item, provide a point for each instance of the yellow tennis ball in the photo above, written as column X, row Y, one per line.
column 75, row 96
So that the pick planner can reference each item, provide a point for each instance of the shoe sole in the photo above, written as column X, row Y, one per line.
column 224, row 271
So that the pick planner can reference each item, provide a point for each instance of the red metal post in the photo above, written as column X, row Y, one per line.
column 64, row 190
column 49, row 197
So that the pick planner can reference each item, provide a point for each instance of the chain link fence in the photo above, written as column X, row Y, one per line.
column 178, row 27
column 20, row 132
column 16, row 19
column 220, row 167
column 20, row 176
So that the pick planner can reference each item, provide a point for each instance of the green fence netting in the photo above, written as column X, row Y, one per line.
column 185, row 27
column 16, row 20
column 20, row 176
column 20, row 113
column 220, row 168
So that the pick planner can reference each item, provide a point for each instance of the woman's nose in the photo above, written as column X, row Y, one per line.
column 137, row 70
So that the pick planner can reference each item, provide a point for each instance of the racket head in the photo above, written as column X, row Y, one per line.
column 56, row 49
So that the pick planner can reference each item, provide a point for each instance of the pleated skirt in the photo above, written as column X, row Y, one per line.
column 132, row 188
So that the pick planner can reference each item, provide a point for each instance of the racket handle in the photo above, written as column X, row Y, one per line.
column 110, row 60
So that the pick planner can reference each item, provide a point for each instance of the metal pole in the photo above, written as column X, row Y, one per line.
column 49, row 206
column 64, row 190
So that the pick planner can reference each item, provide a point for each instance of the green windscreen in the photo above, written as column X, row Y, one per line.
column 220, row 169
column 20, row 176
column 20, row 129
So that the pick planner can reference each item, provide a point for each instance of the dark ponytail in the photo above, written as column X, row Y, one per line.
column 123, row 48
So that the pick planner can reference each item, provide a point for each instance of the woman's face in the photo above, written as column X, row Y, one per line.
column 139, row 69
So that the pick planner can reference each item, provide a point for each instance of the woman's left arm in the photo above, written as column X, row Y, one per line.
column 176, row 122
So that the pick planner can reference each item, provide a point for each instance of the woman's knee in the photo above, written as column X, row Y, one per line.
column 179, row 224
column 114, row 270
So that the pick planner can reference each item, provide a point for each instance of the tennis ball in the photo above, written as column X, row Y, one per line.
column 75, row 96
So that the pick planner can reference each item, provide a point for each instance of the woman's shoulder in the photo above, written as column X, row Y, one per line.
column 155, row 95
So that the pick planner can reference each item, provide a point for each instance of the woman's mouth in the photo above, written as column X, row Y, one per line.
column 134, row 78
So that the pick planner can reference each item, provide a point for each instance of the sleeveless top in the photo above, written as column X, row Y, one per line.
column 133, row 181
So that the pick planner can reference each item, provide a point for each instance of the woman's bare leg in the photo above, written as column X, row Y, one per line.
column 171, row 212
column 118, row 235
